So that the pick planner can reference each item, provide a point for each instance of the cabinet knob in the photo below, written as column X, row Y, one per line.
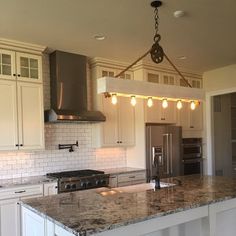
column 162, row 118
column 191, row 127
column 120, row 141
column 117, row 142
column 14, row 74
column 18, row 75
column 21, row 145
column 17, row 145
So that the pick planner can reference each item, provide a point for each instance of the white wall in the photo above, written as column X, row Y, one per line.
column 30, row 163
column 216, row 82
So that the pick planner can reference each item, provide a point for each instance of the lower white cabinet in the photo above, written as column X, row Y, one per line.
column 119, row 180
column 10, row 209
column 9, row 220
column 50, row 189
column 35, row 225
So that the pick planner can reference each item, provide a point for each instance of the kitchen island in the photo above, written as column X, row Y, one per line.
column 196, row 205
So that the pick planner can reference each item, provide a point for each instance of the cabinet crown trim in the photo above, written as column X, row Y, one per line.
column 21, row 46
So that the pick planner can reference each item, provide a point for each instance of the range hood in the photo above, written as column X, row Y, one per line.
column 69, row 89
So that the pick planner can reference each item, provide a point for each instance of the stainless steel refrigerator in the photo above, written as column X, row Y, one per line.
column 163, row 150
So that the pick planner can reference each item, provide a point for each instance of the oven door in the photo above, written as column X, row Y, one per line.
column 192, row 166
column 191, row 151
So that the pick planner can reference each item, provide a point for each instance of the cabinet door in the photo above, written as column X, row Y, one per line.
column 7, row 64
column 32, row 224
column 183, row 116
column 168, row 79
column 196, row 118
column 9, row 218
column 126, row 122
column 110, row 127
column 168, row 115
column 50, row 189
column 30, row 110
column 29, row 67
column 153, row 114
column 8, row 117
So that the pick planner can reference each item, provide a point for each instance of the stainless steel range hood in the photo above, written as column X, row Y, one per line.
column 69, row 89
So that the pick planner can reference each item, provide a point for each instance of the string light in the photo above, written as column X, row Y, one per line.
column 164, row 103
column 179, row 105
column 192, row 105
column 114, row 99
column 150, row 102
column 133, row 101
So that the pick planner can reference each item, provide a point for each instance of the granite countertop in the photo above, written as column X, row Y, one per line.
column 122, row 170
column 30, row 180
column 93, row 211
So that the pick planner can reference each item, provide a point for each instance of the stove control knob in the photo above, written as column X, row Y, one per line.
column 103, row 182
column 89, row 184
column 83, row 185
column 98, row 182
column 73, row 186
column 67, row 186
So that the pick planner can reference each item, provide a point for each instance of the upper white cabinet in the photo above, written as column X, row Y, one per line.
column 158, row 114
column 190, row 120
column 7, row 64
column 119, row 128
column 29, row 67
column 21, row 101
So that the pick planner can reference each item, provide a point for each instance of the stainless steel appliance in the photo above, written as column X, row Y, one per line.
column 69, row 181
column 163, row 150
column 192, row 156
column 68, row 74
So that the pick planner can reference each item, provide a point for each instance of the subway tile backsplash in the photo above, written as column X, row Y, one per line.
column 30, row 163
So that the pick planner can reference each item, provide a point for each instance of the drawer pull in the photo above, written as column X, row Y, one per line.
column 132, row 177
column 22, row 191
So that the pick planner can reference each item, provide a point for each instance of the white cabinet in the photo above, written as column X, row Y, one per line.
column 158, row 114
column 195, row 83
column 21, row 102
column 9, row 220
column 8, row 117
column 50, row 189
column 30, row 115
column 119, row 128
column 125, row 179
column 190, row 119
column 20, row 66
column 9, row 208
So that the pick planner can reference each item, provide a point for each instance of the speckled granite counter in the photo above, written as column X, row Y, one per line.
column 31, row 180
column 92, row 211
column 122, row 170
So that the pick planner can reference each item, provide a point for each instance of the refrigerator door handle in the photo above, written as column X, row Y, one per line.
column 166, row 152
column 171, row 153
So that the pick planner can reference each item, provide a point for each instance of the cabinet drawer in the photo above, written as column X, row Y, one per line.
column 131, row 177
column 20, row 192
column 113, row 181
column 122, row 184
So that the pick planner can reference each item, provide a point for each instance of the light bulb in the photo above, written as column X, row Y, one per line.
column 133, row 101
column 164, row 103
column 114, row 99
column 179, row 105
column 192, row 105
column 150, row 102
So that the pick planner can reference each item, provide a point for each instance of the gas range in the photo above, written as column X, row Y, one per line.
column 69, row 181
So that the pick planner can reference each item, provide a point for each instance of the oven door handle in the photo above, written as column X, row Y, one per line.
column 196, row 160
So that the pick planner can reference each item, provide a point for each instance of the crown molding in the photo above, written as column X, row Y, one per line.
column 21, row 46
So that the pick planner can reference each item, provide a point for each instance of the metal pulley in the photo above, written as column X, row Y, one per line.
column 157, row 53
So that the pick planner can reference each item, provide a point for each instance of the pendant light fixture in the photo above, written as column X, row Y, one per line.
column 157, row 54
column 133, row 101
column 114, row 99
column 150, row 102
column 179, row 105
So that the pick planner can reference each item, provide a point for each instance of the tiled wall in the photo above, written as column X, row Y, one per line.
column 17, row 164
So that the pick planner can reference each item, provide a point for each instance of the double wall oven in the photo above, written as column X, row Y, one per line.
column 192, row 156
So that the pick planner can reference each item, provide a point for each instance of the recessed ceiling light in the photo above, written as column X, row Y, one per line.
column 182, row 57
column 179, row 13
column 99, row 37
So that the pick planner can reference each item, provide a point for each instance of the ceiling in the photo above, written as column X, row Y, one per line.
column 206, row 35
